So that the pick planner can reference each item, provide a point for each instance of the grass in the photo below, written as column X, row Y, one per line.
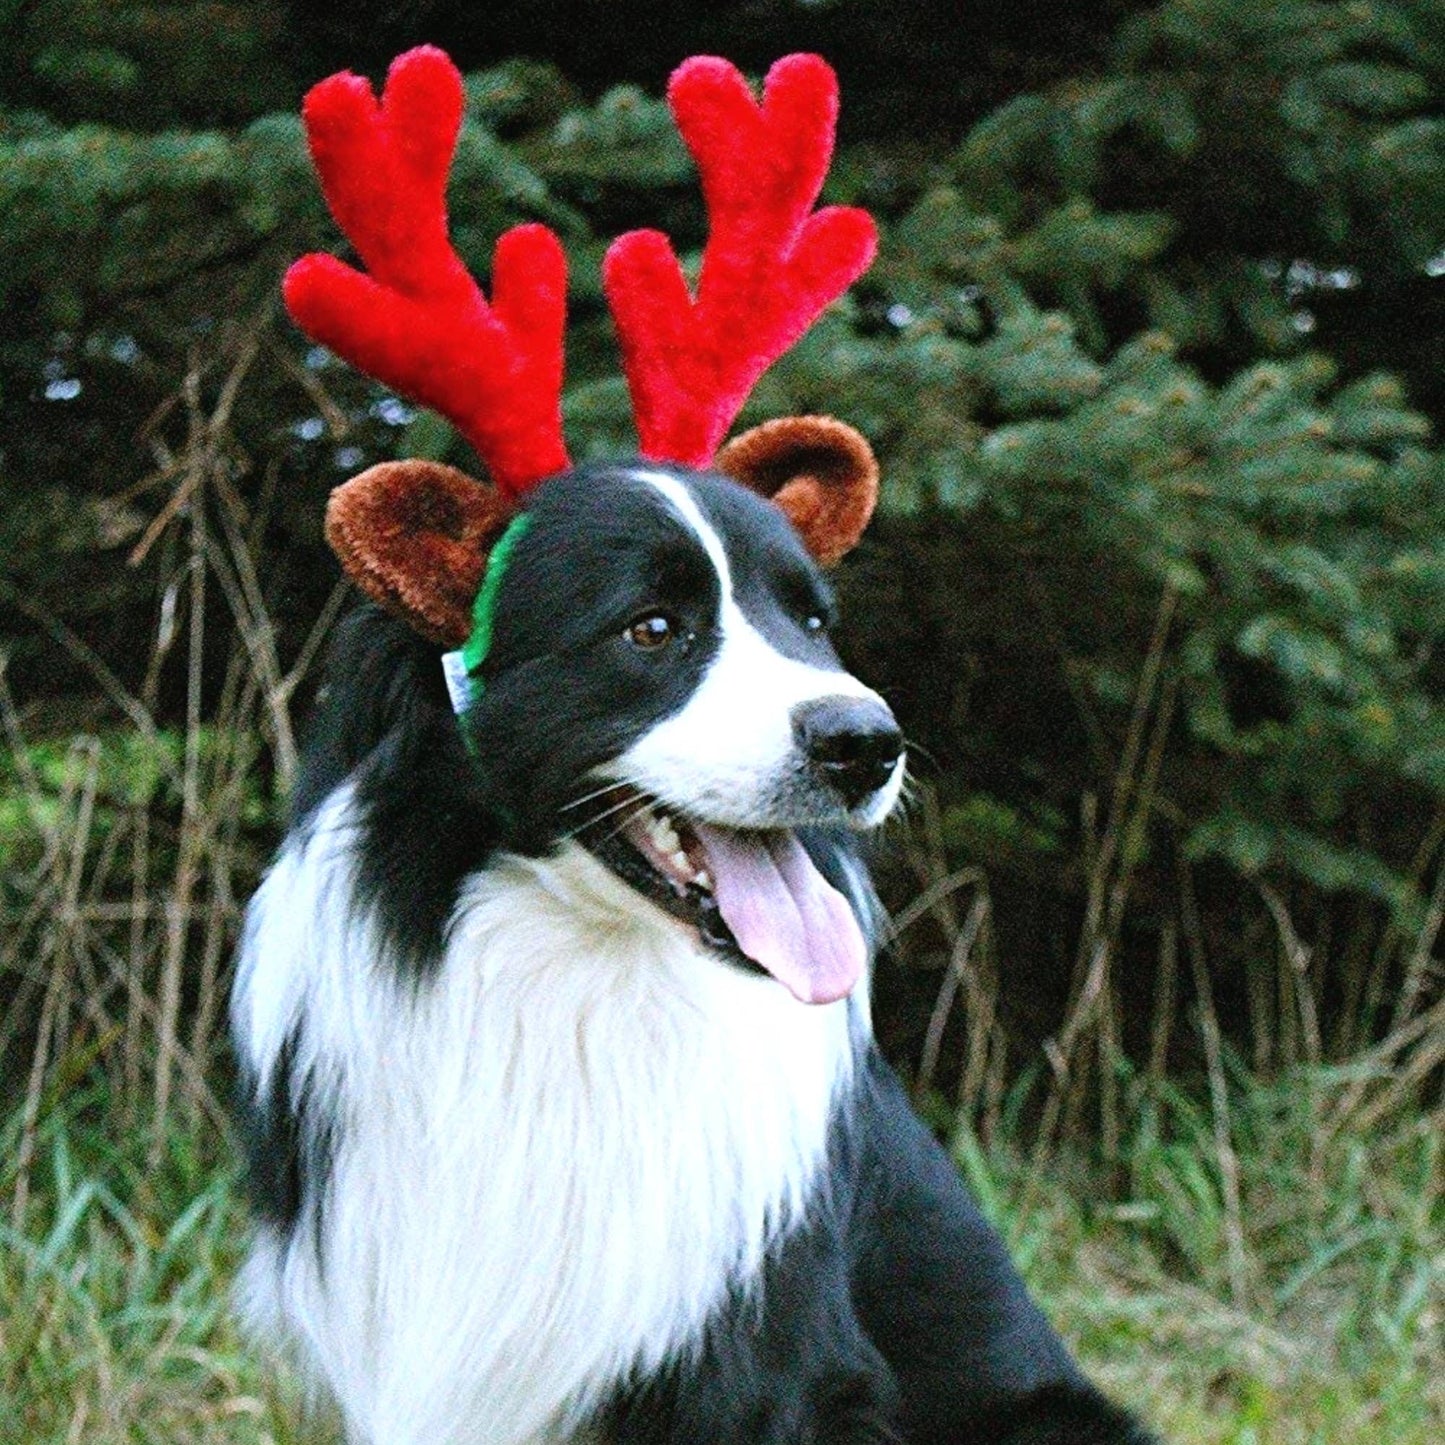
column 114, row 1324
column 1336, row 1331
column 114, row 1319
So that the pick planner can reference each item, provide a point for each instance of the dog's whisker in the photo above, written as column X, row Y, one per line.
column 913, row 746
column 621, row 826
column 639, row 806
column 612, row 832
column 588, row 797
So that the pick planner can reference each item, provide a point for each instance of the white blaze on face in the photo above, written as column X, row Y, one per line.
column 729, row 755
column 730, row 760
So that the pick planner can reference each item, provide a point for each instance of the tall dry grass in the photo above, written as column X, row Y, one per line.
column 131, row 849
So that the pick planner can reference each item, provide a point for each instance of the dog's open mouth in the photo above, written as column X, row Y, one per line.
column 753, row 895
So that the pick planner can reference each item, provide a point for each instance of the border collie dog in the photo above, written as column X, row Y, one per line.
column 564, row 1116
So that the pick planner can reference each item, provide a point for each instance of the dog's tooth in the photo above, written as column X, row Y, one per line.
column 678, row 859
column 703, row 879
column 666, row 837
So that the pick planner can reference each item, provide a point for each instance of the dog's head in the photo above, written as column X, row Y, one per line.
column 657, row 680
column 661, row 637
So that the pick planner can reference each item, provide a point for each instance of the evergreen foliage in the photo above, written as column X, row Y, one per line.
column 1162, row 525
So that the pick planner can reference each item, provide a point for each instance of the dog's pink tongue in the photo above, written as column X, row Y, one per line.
column 783, row 913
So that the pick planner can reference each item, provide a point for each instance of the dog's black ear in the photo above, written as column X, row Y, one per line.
column 414, row 536
column 819, row 470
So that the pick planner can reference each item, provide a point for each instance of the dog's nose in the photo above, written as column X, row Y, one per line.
column 852, row 741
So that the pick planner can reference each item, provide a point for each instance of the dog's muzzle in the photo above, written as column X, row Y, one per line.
column 852, row 744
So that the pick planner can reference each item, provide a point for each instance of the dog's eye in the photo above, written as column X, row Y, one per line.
column 815, row 622
column 651, row 632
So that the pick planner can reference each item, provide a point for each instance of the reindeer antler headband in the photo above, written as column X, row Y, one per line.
column 415, row 535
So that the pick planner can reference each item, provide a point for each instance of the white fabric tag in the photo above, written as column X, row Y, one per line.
column 459, row 685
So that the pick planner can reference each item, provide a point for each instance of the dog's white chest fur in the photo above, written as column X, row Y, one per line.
column 552, row 1159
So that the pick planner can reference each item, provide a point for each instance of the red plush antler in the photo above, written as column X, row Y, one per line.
column 770, row 265
column 418, row 321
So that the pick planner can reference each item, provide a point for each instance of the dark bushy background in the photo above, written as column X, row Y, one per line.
column 1151, row 356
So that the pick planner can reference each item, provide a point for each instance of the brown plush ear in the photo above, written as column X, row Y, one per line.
column 414, row 537
column 821, row 472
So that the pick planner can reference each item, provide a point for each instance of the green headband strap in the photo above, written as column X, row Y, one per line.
column 460, row 668
column 484, row 609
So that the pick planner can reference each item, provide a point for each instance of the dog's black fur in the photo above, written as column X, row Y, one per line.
column 897, row 1316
